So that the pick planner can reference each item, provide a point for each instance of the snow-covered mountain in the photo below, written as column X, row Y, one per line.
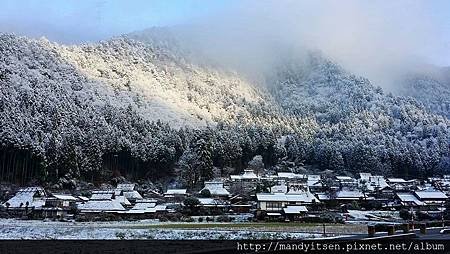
column 431, row 87
column 140, row 105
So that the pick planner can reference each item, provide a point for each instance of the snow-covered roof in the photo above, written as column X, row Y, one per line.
column 349, row 194
column 145, row 206
column 289, row 175
column 430, row 195
column 132, row 195
column 216, row 188
column 33, row 195
column 409, row 197
column 314, row 177
column 101, row 205
column 126, row 186
column 344, row 178
column 211, row 202
column 271, row 197
column 396, row 180
column 306, row 197
column 102, row 195
column 314, row 180
column 365, row 176
column 65, row 197
column 249, row 174
column 122, row 200
column 294, row 209
column 175, row 192
column 378, row 181
column 281, row 188
column 82, row 198
column 323, row 196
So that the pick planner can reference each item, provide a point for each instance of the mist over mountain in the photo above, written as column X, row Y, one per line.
column 149, row 104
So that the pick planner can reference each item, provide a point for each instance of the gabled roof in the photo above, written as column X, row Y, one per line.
column 126, row 186
column 101, row 205
column 294, row 209
column 132, row 195
column 216, row 188
column 102, row 195
column 365, row 176
column 349, row 194
column 122, row 200
column 430, row 195
column 27, row 195
column 249, row 174
column 146, row 206
column 306, row 197
column 210, row 202
column 396, row 180
column 289, row 175
column 65, row 197
column 344, row 178
column 83, row 198
column 175, row 192
column 410, row 198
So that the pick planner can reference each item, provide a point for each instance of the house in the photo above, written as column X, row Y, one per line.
column 27, row 198
column 364, row 176
column 350, row 195
column 408, row 199
column 59, row 206
column 238, row 204
column 277, row 201
column 144, row 208
column 216, row 189
column 376, row 183
column 128, row 191
column 248, row 175
column 343, row 196
column 346, row 181
column 400, row 184
column 101, row 201
column 431, row 197
column 213, row 205
column 294, row 212
column 314, row 183
column 279, row 188
column 175, row 193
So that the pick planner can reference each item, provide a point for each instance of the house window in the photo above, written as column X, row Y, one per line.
column 274, row 206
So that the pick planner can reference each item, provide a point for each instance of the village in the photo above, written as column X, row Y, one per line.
column 284, row 197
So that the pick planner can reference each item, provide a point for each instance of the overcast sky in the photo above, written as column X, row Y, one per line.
column 422, row 28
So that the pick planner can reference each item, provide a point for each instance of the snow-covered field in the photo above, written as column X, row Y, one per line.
column 28, row 229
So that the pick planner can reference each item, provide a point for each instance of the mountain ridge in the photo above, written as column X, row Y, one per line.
column 77, row 108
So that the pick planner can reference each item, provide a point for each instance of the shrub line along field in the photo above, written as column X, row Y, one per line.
column 261, row 226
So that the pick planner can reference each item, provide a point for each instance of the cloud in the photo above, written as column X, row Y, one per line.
column 376, row 39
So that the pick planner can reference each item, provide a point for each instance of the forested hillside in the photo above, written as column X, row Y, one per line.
column 143, row 109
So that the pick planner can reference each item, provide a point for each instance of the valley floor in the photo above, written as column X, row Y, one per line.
column 151, row 229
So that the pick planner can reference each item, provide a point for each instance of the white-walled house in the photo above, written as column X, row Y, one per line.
column 278, row 201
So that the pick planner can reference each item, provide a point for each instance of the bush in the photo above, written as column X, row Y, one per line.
column 205, row 193
column 187, row 219
column 200, row 219
column 405, row 214
column 223, row 218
